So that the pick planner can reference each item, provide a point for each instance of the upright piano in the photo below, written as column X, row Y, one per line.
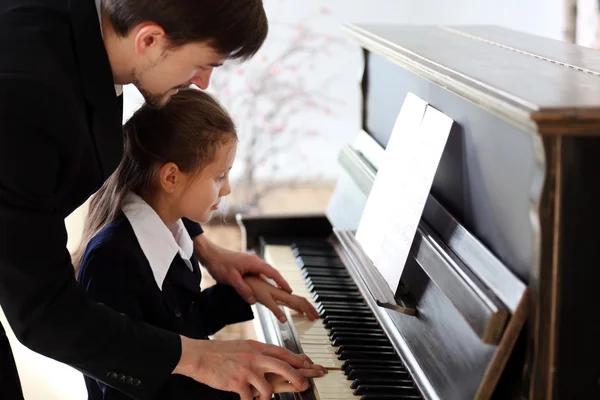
column 498, row 293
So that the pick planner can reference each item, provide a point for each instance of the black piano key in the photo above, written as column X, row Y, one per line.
column 370, row 364
column 302, row 245
column 330, row 281
column 320, row 262
column 331, row 310
column 333, row 287
column 322, row 267
column 390, row 397
column 384, row 355
column 358, row 341
column 299, row 252
column 324, row 274
column 343, row 305
column 380, row 381
column 385, row 389
column 325, row 295
column 341, row 313
column 350, row 318
column 335, row 335
column 342, row 330
column 376, row 373
column 320, row 297
column 389, row 371
column 337, row 293
column 349, row 347
column 358, row 323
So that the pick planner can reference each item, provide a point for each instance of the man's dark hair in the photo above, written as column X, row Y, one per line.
column 235, row 28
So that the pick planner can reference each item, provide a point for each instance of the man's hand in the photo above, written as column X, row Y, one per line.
column 229, row 267
column 243, row 366
column 270, row 296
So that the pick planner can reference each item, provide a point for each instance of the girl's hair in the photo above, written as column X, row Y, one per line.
column 187, row 131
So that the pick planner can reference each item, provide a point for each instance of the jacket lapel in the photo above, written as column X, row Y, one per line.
column 103, row 107
column 181, row 276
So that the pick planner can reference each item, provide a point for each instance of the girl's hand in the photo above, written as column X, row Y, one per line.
column 281, row 385
column 270, row 296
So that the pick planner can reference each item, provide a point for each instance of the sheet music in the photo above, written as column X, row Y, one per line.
column 397, row 199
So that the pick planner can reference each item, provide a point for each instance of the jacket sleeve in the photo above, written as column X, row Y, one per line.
column 222, row 306
column 46, row 308
column 194, row 229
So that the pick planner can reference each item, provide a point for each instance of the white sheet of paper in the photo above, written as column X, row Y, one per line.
column 397, row 199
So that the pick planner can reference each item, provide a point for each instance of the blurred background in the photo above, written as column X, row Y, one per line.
column 296, row 102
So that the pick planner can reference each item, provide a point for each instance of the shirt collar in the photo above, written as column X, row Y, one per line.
column 159, row 243
column 118, row 88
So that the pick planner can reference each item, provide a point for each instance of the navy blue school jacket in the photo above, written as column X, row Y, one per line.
column 116, row 272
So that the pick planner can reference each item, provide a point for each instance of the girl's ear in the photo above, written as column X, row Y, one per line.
column 170, row 177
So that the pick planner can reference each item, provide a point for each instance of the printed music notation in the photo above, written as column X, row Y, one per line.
column 397, row 199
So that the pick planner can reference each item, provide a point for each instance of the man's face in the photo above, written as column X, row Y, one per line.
column 161, row 71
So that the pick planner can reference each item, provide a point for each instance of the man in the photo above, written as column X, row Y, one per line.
column 60, row 138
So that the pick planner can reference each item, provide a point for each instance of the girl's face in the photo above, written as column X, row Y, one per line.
column 202, row 192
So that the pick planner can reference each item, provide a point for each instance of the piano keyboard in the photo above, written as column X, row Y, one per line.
column 347, row 340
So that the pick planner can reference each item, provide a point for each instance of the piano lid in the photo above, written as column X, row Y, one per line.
column 494, row 67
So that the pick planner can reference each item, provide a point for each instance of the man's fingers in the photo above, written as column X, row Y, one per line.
column 283, row 354
column 245, row 392
column 278, row 366
column 279, row 384
column 264, row 389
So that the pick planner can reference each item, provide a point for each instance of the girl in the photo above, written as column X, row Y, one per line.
column 139, row 257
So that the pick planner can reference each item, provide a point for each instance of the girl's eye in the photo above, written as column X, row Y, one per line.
column 220, row 178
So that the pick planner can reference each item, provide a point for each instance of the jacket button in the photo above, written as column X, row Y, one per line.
column 112, row 375
column 177, row 312
column 121, row 377
column 129, row 380
column 136, row 382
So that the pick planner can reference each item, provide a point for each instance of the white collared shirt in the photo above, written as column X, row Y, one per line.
column 118, row 88
column 159, row 243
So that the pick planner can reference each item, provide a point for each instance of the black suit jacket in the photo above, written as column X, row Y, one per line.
column 116, row 272
column 60, row 138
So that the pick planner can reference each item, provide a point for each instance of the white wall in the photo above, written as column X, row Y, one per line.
column 588, row 19
column 312, row 138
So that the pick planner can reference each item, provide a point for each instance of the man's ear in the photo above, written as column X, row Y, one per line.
column 148, row 37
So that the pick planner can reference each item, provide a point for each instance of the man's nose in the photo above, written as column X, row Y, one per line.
column 202, row 79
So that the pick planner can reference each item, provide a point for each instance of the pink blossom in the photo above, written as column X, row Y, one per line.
column 275, row 69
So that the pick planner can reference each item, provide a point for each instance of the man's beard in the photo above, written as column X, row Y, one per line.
column 154, row 100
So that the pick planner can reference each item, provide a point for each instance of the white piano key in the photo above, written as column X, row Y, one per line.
column 333, row 386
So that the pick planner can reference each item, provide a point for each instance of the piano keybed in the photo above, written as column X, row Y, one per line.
column 347, row 340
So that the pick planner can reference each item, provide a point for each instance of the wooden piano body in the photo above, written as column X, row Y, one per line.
column 503, row 269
